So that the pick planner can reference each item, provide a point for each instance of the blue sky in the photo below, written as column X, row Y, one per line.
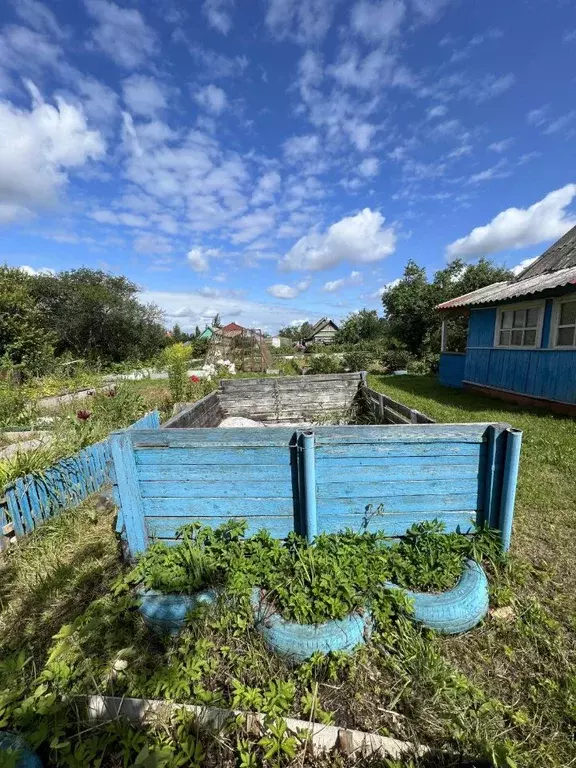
column 281, row 160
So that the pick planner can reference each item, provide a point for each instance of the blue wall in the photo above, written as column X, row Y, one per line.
column 539, row 372
column 451, row 370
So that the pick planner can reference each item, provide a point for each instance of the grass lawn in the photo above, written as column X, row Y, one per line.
column 505, row 691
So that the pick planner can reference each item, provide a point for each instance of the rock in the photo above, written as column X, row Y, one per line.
column 506, row 613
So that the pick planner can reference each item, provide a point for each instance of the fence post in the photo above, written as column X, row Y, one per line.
column 309, row 468
column 509, row 482
column 129, row 492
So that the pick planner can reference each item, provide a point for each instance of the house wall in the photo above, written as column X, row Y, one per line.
column 545, row 373
column 325, row 336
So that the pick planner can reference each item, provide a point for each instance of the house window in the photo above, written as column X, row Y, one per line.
column 564, row 324
column 519, row 326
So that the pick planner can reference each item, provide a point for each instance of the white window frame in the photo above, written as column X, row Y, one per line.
column 555, row 324
column 539, row 305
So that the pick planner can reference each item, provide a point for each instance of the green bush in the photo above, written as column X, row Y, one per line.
column 424, row 366
column 357, row 360
column 176, row 358
column 396, row 360
column 14, row 407
column 324, row 364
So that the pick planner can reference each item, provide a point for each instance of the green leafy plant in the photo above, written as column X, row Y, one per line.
column 324, row 363
column 357, row 360
column 176, row 358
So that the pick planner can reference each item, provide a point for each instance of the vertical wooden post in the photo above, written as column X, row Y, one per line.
column 444, row 342
column 493, row 471
column 129, row 492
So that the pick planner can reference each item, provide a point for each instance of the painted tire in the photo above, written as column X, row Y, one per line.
column 299, row 641
column 457, row 610
column 165, row 614
column 11, row 742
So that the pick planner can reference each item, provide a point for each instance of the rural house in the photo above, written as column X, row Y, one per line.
column 521, row 334
column 323, row 332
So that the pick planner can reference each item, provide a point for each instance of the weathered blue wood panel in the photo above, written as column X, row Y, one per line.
column 546, row 373
column 481, row 327
column 451, row 371
column 547, row 324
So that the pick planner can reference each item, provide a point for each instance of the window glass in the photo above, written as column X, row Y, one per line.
column 531, row 317
column 504, row 338
column 529, row 338
column 516, row 339
column 507, row 319
column 568, row 313
column 519, row 318
column 565, row 337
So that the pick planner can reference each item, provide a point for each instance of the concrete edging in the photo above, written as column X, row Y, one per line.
column 321, row 738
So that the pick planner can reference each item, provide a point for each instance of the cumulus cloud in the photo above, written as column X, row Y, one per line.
column 122, row 33
column 153, row 244
column 369, row 167
column 379, row 292
column 41, row 271
column 39, row 17
column 438, row 111
column 281, row 291
column 212, row 99
column 524, row 264
column 267, row 187
column 37, row 148
column 377, row 21
column 199, row 258
column 298, row 147
column 218, row 14
column 143, row 95
column 354, row 278
column 358, row 239
column 519, row 227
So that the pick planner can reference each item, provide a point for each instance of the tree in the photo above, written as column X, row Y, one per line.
column 217, row 323
column 361, row 326
column 177, row 335
column 24, row 341
column 296, row 332
column 409, row 307
column 95, row 315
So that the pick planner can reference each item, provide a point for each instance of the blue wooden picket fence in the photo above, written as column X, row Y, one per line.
column 32, row 499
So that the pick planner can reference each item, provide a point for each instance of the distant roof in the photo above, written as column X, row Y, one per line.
column 554, row 269
column 232, row 327
column 320, row 325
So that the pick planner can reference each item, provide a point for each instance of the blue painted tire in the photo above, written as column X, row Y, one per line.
column 456, row 610
column 298, row 642
column 10, row 743
column 165, row 614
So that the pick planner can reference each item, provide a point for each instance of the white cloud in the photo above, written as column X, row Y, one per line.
column 218, row 14
column 501, row 146
column 354, row 278
column 365, row 73
column 212, row 99
column 305, row 21
column 498, row 171
column 524, row 264
column 39, row 17
column 143, row 95
column 438, row 111
column 379, row 20
column 153, row 244
column 267, row 187
column 281, row 291
column 383, row 288
column 103, row 216
column 519, row 227
column 359, row 239
column 297, row 147
column 42, row 271
column 361, row 135
column 491, row 87
column 334, row 285
column 369, row 167
column 252, row 225
column 191, row 309
column 430, row 10
column 199, row 258
column 37, row 148
column 122, row 33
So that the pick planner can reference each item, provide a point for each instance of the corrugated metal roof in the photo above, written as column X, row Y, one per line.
column 513, row 289
column 560, row 255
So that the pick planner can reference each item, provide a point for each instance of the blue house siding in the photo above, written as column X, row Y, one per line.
column 451, row 370
column 544, row 372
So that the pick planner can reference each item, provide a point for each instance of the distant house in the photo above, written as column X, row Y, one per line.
column 231, row 330
column 521, row 334
column 206, row 334
column 323, row 332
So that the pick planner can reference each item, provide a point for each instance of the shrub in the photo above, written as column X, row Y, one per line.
column 424, row 366
column 324, row 364
column 176, row 358
column 357, row 360
column 396, row 360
